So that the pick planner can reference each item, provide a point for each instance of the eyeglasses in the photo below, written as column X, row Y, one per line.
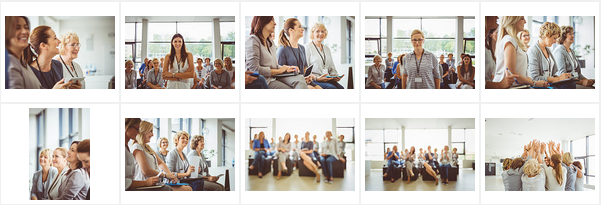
column 74, row 45
column 417, row 40
column 526, row 36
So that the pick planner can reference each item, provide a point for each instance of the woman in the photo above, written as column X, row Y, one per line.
column 389, row 73
column 260, row 146
column 69, row 50
column 295, row 150
column 229, row 67
column 524, row 36
column 375, row 74
column 77, row 182
column 491, row 39
column 149, row 164
column 306, row 153
column 219, row 78
column 571, row 171
column 283, row 150
column 398, row 70
column 393, row 161
column 316, row 149
column 163, row 145
column 59, row 162
column 83, row 154
column 196, row 146
column 510, row 53
column 261, row 55
column 579, row 184
column 200, row 75
column 506, row 166
column 567, row 62
column 445, row 164
column 320, row 57
column 132, row 129
column 429, row 165
column 541, row 63
column 420, row 74
column 409, row 159
column 154, row 76
column 556, row 174
column 328, row 156
column 42, row 178
column 179, row 66
column 130, row 75
column 534, row 177
column 446, row 76
column 21, row 76
column 178, row 164
column 512, row 177
column 44, row 43
column 455, row 161
column 291, row 53
column 466, row 74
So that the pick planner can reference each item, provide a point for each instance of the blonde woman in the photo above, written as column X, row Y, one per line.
column 59, row 161
column 69, row 50
column 219, row 78
column 130, row 75
column 42, row 178
column 147, row 159
column 524, row 36
column 541, row 63
column 571, row 171
column 229, row 68
column 320, row 56
column 154, row 75
column 421, row 66
column 534, row 177
column 178, row 163
column 197, row 144
column 375, row 74
column 510, row 53
column 163, row 145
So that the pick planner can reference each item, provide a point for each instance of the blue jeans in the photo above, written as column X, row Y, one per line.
column 392, row 164
column 316, row 155
column 259, row 160
column 259, row 83
column 329, row 85
column 326, row 165
column 383, row 86
column 444, row 172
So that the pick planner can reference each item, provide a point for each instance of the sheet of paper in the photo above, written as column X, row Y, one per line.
column 194, row 161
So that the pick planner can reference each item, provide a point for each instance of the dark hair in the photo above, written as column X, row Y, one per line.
column 9, row 29
column 470, row 67
column 37, row 37
column 289, row 24
column 79, row 164
column 289, row 137
column 489, row 43
column 183, row 50
column 517, row 163
column 256, row 28
column 577, row 164
column 84, row 146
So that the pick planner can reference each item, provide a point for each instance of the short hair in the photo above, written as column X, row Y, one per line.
column 516, row 163
column 450, row 54
column 377, row 57
column 218, row 61
column 532, row 167
column 565, row 30
column 177, row 135
column 507, row 163
column 65, row 39
column 161, row 140
column 84, row 146
column 48, row 153
column 417, row 31
column 389, row 53
column 315, row 27
column 208, row 58
column 128, row 61
column 549, row 29
column 195, row 140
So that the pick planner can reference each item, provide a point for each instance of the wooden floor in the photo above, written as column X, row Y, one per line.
column 298, row 183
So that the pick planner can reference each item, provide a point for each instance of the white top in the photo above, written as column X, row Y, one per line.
column 521, row 65
column 551, row 63
column 580, row 183
column 180, row 67
column 151, row 160
column 69, row 73
column 489, row 66
column 321, row 61
column 552, row 184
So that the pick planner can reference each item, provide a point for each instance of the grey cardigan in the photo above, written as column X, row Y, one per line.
column 38, row 188
column 75, row 186
column 537, row 65
column 175, row 163
column 563, row 61
column 259, row 58
column 202, row 167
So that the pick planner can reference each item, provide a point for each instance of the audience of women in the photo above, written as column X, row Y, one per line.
column 445, row 164
column 420, row 73
column 490, row 63
column 260, row 146
column 219, row 78
column 397, row 72
column 42, row 178
column 69, row 50
column 567, row 61
column 179, row 65
column 178, row 163
column 541, row 63
column 316, row 150
column 197, row 144
column 291, row 53
column 200, row 75
column 429, row 165
column 409, row 159
column 375, row 74
column 154, row 76
column 329, row 154
column 283, row 150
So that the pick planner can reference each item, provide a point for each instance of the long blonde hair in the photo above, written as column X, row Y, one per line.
column 145, row 127
column 507, row 27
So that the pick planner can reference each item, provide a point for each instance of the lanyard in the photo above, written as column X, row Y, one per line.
column 420, row 61
column 42, row 73
column 72, row 66
column 156, row 76
column 128, row 79
column 323, row 57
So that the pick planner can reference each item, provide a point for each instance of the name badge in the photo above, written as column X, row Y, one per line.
column 418, row 80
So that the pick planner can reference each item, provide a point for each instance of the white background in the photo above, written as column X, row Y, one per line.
column 62, row 9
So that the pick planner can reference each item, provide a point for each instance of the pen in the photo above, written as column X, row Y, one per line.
column 516, row 81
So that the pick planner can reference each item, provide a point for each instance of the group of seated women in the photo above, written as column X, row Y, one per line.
column 178, row 71
column 515, row 63
column 331, row 151
column 167, row 170
column 284, row 67
column 41, row 59
column 420, row 70
column 539, row 170
column 65, row 173
column 430, row 161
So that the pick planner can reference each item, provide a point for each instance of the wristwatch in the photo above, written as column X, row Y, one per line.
column 174, row 75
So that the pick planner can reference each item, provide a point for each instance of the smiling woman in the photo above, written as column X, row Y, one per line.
column 69, row 50
column 179, row 66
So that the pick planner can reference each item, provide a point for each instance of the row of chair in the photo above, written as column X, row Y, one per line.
column 399, row 172
column 338, row 167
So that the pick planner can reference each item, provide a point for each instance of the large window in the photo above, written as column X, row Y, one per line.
column 583, row 150
column 41, row 135
column 68, row 124
column 464, row 141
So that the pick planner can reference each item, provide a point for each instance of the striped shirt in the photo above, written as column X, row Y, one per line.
column 428, row 70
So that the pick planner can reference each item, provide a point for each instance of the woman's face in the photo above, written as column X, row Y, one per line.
column 164, row 144
column 199, row 62
column 57, row 159
column 526, row 37
column 390, row 56
column 417, row 40
column 72, row 154
column 129, row 65
column 21, row 38
column 377, row 61
column 53, row 43
column 495, row 33
column 441, row 58
column 201, row 145
column 307, row 137
column 183, row 141
column 84, row 157
column 519, row 26
column 550, row 40
column 270, row 27
column 466, row 60
column 218, row 65
column 569, row 38
column 147, row 137
column 132, row 131
column 44, row 160
column 319, row 34
column 156, row 63
column 177, row 43
column 227, row 62
column 298, row 30
column 72, row 48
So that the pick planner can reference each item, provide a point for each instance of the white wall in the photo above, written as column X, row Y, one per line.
column 586, row 30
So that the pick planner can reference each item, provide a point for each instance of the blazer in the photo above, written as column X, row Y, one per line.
column 75, row 186
column 257, row 144
column 259, row 58
column 537, row 65
column 562, row 56
column 38, row 188
column 175, row 163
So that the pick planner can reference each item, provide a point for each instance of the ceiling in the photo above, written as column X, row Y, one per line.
column 158, row 19
column 35, row 111
column 419, row 123
column 507, row 136
column 62, row 18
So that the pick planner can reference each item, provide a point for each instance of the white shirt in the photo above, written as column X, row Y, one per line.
column 180, row 67
column 69, row 73
column 521, row 65
column 151, row 160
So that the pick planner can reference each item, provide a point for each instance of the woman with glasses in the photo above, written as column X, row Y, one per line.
column 320, row 57
column 421, row 66
column 179, row 64
column 219, row 78
column 163, row 145
column 69, row 49
column 525, row 37
column 154, row 75
column 542, row 65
